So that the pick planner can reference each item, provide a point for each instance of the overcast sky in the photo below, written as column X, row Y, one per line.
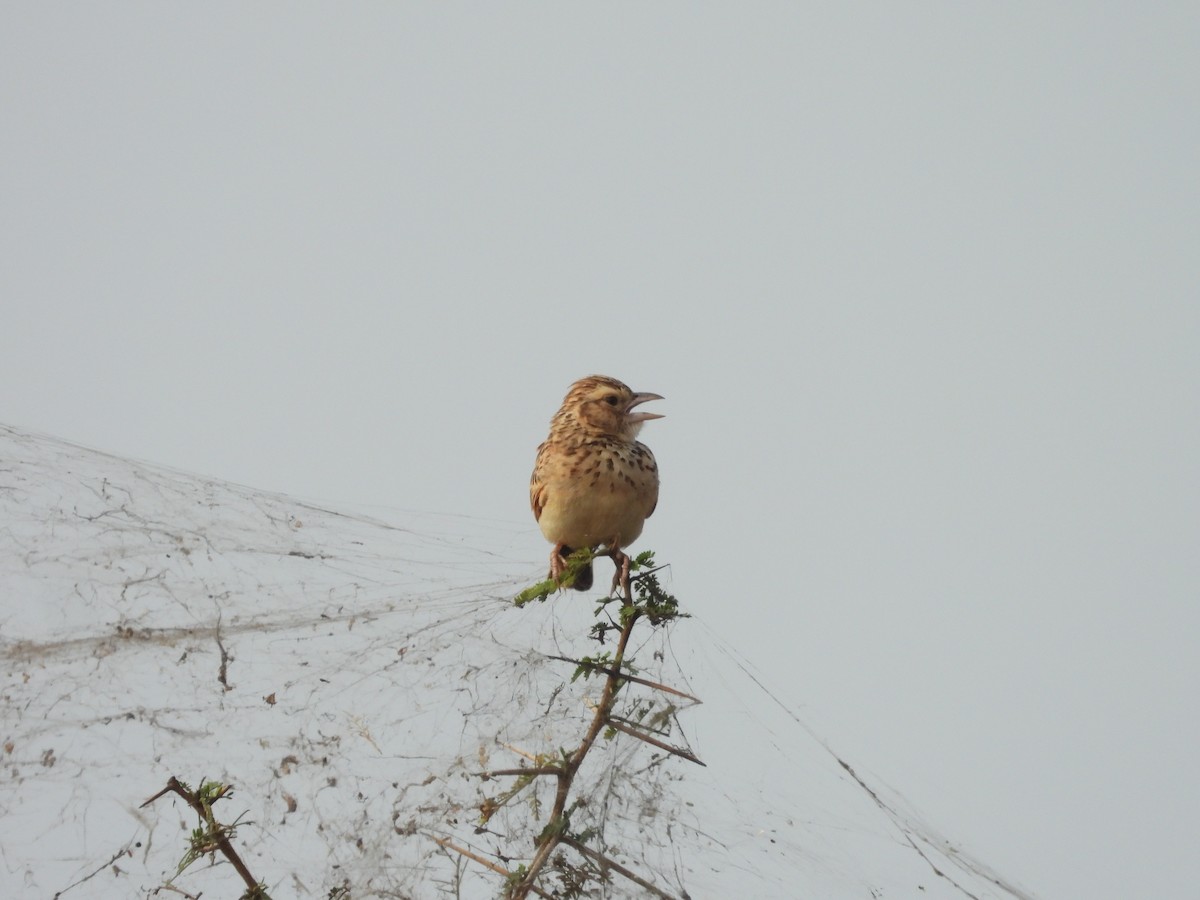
column 919, row 283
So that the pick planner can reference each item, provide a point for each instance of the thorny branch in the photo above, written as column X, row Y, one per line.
column 625, row 676
column 657, row 607
column 566, row 775
column 605, row 863
column 483, row 861
column 213, row 830
column 661, row 745
column 223, row 671
column 124, row 851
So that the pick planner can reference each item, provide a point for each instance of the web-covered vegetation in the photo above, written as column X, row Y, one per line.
column 359, row 683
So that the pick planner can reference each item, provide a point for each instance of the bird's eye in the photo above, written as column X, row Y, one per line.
column 611, row 399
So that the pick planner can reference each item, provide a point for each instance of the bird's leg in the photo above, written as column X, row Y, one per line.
column 621, row 576
column 558, row 561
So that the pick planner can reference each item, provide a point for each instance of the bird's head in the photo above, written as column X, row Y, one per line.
column 603, row 405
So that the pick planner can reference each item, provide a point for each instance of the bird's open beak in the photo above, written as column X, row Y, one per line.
column 638, row 399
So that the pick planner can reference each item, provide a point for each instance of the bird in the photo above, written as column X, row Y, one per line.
column 593, row 482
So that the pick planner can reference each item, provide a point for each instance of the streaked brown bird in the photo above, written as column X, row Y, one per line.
column 593, row 482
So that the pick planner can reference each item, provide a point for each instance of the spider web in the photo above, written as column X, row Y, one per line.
column 351, row 675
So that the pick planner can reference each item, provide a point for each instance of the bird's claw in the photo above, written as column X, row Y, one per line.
column 558, row 563
column 621, row 576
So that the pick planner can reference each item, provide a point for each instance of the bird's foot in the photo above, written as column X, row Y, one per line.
column 558, row 562
column 621, row 576
column 560, row 569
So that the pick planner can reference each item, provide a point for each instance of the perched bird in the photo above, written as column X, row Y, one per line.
column 593, row 483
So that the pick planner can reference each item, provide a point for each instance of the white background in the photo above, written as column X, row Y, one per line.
column 919, row 285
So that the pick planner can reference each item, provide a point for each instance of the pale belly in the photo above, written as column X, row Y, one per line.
column 586, row 515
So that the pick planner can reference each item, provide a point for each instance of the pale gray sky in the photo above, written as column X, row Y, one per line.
column 920, row 286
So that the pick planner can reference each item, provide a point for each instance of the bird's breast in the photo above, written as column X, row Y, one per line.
column 598, row 494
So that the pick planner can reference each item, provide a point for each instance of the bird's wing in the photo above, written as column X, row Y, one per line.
column 653, row 495
column 537, row 499
column 537, row 487
column 653, row 498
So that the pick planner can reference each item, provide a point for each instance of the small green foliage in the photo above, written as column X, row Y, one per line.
column 651, row 600
column 599, row 631
column 590, row 664
column 643, row 560
column 491, row 805
column 575, row 881
column 205, row 840
column 543, row 589
column 200, row 843
column 515, row 877
column 660, row 721
column 539, row 592
column 587, row 834
column 212, row 791
column 553, row 828
column 210, row 836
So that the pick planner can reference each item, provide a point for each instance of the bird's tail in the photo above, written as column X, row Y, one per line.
column 583, row 575
column 583, row 578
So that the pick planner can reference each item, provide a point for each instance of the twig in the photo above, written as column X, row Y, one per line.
column 177, row 890
column 567, row 776
column 124, row 851
column 642, row 736
column 527, row 770
column 608, row 670
column 517, row 750
column 223, row 671
column 482, row 860
column 218, row 833
column 605, row 863
column 657, row 607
